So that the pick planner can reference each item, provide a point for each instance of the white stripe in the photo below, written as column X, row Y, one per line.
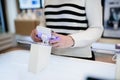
column 68, row 24
column 65, row 8
column 59, row 2
column 69, row 16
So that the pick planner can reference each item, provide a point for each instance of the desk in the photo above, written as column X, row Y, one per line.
column 14, row 66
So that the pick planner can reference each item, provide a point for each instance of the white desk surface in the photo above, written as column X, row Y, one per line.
column 14, row 66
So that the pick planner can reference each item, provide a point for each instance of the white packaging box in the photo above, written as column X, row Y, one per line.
column 39, row 57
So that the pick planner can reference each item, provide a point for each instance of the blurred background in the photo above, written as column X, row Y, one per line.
column 19, row 17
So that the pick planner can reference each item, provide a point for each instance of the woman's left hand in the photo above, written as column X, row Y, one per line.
column 63, row 41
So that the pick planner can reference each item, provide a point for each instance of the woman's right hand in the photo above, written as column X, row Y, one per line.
column 34, row 36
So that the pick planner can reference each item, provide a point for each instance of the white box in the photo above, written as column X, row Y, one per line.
column 39, row 57
column 118, row 66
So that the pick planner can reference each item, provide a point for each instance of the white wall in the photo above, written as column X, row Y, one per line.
column 11, row 14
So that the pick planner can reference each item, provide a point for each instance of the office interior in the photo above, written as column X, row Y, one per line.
column 17, row 22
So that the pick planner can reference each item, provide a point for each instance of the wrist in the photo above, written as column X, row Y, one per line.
column 72, row 41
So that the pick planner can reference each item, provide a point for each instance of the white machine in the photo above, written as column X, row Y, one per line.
column 45, row 34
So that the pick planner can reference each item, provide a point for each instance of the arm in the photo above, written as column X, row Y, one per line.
column 94, row 32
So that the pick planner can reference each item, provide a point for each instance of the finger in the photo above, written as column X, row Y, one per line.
column 37, row 39
column 54, row 41
column 55, row 34
column 55, row 38
column 56, row 45
column 34, row 37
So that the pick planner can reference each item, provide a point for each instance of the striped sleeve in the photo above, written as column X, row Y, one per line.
column 94, row 32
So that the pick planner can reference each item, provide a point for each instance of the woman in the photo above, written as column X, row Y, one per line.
column 78, row 23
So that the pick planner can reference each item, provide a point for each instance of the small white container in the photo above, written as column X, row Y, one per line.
column 118, row 67
column 39, row 57
column 117, row 61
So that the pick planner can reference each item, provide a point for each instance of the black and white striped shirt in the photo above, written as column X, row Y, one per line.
column 81, row 19
column 66, row 17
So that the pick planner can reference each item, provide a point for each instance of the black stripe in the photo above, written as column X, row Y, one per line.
column 65, row 20
column 66, row 27
column 62, row 5
column 63, row 33
column 64, row 12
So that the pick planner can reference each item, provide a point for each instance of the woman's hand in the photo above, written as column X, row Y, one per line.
column 62, row 41
column 34, row 36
